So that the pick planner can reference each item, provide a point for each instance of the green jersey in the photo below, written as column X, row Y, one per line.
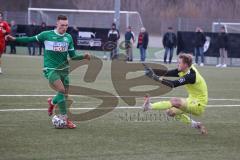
column 57, row 48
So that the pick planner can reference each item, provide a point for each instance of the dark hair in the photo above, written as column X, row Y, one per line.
column 113, row 24
column 129, row 27
column 62, row 17
column 187, row 58
column 170, row 28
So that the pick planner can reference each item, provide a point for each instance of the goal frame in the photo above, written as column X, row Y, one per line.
column 85, row 11
column 223, row 24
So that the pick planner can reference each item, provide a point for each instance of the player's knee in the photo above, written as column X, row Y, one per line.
column 62, row 90
column 176, row 102
column 170, row 113
column 173, row 100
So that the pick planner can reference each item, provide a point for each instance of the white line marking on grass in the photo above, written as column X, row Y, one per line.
column 23, row 56
column 27, row 109
column 220, row 105
column 210, row 99
column 25, row 95
column 90, row 108
column 51, row 95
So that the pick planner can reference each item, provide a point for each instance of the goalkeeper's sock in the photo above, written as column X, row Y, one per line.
column 163, row 105
column 59, row 99
column 187, row 120
column 194, row 124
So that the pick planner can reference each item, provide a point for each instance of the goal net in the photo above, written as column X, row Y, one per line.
column 86, row 18
column 230, row 27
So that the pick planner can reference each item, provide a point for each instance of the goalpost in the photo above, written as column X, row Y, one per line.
column 86, row 18
column 230, row 27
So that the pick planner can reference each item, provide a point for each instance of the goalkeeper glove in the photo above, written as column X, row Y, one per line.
column 150, row 73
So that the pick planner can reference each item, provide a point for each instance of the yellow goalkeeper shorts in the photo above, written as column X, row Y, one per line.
column 193, row 106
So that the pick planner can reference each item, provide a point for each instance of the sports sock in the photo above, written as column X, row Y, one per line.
column 59, row 99
column 194, row 124
column 183, row 118
column 55, row 99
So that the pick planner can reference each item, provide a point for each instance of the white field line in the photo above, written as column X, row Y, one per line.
column 90, row 108
column 51, row 95
column 121, row 107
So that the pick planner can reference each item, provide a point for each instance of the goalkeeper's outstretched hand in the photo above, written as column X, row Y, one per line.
column 150, row 73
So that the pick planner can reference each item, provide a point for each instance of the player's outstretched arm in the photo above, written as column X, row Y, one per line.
column 151, row 74
column 21, row 39
column 75, row 56
column 87, row 56
column 187, row 79
column 162, row 72
column 10, row 38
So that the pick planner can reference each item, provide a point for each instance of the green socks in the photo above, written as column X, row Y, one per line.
column 59, row 99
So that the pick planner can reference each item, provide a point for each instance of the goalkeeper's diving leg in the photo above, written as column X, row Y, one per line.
column 176, row 107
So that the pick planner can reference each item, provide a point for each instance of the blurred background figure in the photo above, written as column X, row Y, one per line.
column 74, row 33
column 32, row 31
column 13, row 33
column 42, row 28
column 114, row 36
column 129, row 41
column 169, row 43
column 4, row 30
column 223, row 45
column 200, row 40
column 142, row 43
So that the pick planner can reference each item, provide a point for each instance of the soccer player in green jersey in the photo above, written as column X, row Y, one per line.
column 180, row 107
column 58, row 45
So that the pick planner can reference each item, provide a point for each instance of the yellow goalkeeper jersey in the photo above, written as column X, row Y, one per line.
column 197, row 90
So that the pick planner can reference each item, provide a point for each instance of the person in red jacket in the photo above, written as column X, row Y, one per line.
column 4, row 30
column 142, row 43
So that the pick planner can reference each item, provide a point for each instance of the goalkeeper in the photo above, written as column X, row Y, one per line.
column 58, row 45
column 180, row 107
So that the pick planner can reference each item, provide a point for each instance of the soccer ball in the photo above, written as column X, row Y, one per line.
column 58, row 122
